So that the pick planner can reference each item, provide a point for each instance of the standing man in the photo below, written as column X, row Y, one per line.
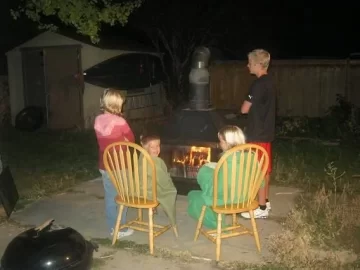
column 261, row 108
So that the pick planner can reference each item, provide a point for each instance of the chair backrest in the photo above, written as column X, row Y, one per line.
column 239, row 175
column 121, row 161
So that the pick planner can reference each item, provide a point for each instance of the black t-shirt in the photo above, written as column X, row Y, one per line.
column 261, row 116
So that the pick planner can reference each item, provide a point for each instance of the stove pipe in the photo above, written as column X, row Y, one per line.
column 199, row 78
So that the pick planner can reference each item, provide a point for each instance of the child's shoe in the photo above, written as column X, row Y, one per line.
column 258, row 213
column 122, row 234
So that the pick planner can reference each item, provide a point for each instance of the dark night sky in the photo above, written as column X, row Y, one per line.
column 288, row 29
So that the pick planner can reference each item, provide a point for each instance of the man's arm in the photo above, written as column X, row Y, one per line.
column 245, row 107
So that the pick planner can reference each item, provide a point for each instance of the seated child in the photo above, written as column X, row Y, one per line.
column 166, row 191
column 229, row 137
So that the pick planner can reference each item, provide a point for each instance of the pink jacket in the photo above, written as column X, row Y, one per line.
column 110, row 128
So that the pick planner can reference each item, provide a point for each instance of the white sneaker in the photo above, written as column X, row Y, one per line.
column 122, row 234
column 258, row 213
column 268, row 206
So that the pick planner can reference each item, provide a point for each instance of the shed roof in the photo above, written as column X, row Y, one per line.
column 107, row 42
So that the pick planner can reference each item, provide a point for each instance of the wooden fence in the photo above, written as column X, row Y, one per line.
column 304, row 87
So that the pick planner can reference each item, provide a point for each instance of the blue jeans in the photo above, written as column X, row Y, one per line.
column 111, row 208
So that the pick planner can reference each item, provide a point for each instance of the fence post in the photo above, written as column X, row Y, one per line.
column 347, row 67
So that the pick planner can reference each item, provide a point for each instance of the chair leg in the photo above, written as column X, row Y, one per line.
column 218, row 237
column 151, row 231
column 117, row 225
column 140, row 214
column 198, row 227
column 255, row 231
column 175, row 231
column 234, row 220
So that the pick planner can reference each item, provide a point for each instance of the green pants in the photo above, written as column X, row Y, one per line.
column 195, row 204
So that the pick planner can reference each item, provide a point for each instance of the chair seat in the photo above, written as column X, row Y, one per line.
column 233, row 208
column 136, row 202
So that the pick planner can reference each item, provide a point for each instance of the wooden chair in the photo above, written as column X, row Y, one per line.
column 239, row 192
column 121, row 161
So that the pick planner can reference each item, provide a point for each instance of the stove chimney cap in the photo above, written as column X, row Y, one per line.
column 200, row 57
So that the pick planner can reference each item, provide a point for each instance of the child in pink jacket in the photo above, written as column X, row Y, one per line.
column 111, row 127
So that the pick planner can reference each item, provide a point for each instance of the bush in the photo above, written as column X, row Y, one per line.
column 341, row 122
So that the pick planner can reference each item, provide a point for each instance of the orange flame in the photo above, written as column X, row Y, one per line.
column 197, row 157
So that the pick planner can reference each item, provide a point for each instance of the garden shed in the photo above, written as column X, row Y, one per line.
column 65, row 74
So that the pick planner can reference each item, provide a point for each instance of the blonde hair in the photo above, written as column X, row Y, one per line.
column 261, row 57
column 232, row 135
column 112, row 101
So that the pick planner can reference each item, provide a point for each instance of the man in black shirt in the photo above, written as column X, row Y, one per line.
column 260, row 107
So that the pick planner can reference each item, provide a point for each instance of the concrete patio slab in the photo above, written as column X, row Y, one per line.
column 82, row 208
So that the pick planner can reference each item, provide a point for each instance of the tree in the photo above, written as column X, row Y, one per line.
column 86, row 16
column 176, row 29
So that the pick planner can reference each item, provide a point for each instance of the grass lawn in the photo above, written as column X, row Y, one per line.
column 46, row 162
column 310, row 164
column 322, row 231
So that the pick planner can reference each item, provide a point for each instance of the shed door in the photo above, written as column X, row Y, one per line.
column 34, row 78
column 65, row 86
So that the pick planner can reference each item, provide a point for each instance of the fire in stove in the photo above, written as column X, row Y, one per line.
column 186, row 161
